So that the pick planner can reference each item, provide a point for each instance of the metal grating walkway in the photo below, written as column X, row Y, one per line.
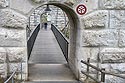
column 46, row 49
column 47, row 62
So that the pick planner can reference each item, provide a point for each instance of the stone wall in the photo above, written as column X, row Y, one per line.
column 103, row 38
column 14, row 16
column 13, row 46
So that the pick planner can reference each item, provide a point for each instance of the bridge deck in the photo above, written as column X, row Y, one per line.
column 46, row 49
column 47, row 63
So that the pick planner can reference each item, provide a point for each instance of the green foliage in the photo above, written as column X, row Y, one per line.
column 65, row 31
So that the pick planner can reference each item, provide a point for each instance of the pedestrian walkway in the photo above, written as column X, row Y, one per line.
column 47, row 62
column 46, row 49
column 50, row 72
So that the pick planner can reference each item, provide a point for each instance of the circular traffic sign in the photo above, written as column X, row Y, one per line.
column 81, row 9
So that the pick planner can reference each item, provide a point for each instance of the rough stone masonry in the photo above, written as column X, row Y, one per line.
column 102, row 29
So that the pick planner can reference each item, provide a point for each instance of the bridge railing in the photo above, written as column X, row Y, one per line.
column 31, row 40
column 102, row 71
column 65, row 30
column 62, row 40
column 17, row 72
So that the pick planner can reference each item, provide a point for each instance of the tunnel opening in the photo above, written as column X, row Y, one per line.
column 74, row 29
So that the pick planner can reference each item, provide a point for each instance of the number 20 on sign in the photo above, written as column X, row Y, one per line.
column 81, row 9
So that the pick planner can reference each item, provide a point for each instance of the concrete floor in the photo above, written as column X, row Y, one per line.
column 47, row 62
column 50, row 72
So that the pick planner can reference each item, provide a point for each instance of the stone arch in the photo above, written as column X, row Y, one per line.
column 101, row 32
column 14, row 26
column 74, row 33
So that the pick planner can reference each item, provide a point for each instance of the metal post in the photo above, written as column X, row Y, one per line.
column 29, row 21
column 12, row 79
column 21, row 70
column 103, row 75
column 88, row 61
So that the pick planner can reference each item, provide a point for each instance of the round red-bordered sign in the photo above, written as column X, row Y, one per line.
column 81, row 9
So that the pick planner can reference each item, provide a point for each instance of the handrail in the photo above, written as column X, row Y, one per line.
column 31, row 40
column 91, row 77
column 62, row 40
column 103, row 72
column 32, row 31
column 61, row 33
column 11, row 78
column 66, row 24
column 94, row 67
column 65, row 30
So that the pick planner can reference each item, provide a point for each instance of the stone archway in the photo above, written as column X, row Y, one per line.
column 74, row 34
column 102, row 33
column 13, row 24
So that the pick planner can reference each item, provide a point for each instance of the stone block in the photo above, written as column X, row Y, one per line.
column 83, row 78
column 12, row 37
column 2, row 55
column 100, row 38
column 112, row 55
column 24, row 76
column 12, row 19
column 16, row 54
column 14, row 66
column 117, row 68
column 91, row 5
column 3, row 70
column 97, row 19
column 122, row 38
column 117, row 19
column 4, row 3
column 24, row 6
column 36, row 1
column 91, row 70
column 112, row 4
column 114, row 79
column 91, row 53
column 69, row 2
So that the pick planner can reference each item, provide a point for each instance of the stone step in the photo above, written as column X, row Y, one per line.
column 52, row 82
